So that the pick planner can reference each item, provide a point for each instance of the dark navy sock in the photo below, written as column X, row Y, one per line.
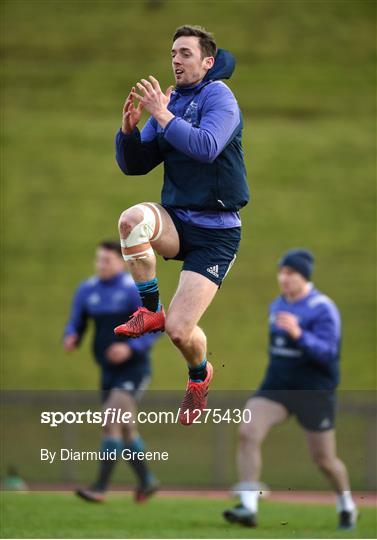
column 198, row 373
column 149, row 294
column 107, row 466
column 139, row 465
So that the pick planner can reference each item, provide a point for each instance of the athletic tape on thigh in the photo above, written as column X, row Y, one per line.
column 137, row 244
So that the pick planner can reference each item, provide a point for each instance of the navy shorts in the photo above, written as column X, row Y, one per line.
column 314, row 409
column 209, row 252
column 134, row 382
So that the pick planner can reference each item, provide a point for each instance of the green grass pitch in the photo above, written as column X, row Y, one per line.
column 56, row 515
column 305, row 81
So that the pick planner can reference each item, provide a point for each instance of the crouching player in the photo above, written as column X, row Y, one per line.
column 108, row 298
column 301, row 379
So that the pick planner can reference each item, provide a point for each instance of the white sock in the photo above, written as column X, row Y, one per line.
column 344, row 502
column 249, row 499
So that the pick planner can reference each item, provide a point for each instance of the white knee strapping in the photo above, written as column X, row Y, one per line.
column 137, row 244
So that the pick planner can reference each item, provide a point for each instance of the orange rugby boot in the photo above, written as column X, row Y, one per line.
column 195, row 398
column 142, row 322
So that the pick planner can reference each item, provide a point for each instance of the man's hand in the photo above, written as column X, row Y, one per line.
column 70, row 342
column 288, row 322
column 131, row 114
column 118, row 353
column 154, row 100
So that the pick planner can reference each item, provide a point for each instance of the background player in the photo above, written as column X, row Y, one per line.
column 301, row 378
column 108, row 298
column 195, row 131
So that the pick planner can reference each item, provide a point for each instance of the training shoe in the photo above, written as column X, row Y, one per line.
column 347, row 520
column 240, row 514
column 90, row 495
column 145, row 491
column 195, row 398
column 142, row 322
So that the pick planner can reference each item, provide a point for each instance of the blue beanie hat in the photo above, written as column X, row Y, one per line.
column 300, row 260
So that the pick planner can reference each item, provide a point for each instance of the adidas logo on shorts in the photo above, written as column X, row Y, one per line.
column 326, row 423
column 214, row 270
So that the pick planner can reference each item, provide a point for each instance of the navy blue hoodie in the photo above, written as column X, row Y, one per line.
column 109, row 303
column 312, row 361
column 200, row 147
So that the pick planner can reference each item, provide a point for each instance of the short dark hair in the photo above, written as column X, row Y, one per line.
column 207, row 41
column 111, row 245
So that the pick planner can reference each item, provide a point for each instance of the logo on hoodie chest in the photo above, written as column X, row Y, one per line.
column 191, row 114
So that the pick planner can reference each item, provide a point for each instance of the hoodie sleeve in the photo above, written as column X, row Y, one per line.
column 136, row 153
column 78, row 317
column 144, row 343
column 220, row 116
column 322, row 341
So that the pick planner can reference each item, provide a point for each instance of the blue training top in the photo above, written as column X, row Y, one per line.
column 200, row 147
column 109, row 303
column 312, row 362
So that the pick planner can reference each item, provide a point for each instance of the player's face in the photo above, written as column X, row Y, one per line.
column 108, row 263
column 189, row 67
column 291, row 283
